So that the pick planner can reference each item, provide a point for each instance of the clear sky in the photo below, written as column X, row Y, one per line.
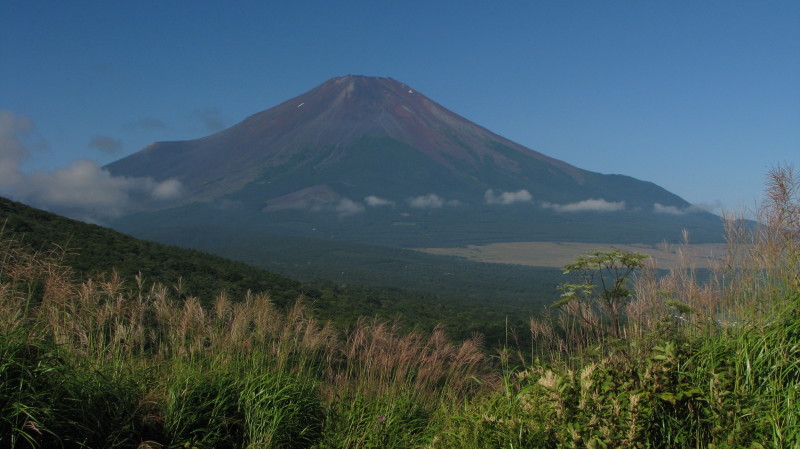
column 700, row 97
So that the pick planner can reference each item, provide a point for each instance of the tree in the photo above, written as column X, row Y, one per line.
column 608, row 271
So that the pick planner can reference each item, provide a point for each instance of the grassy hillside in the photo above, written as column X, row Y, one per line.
column 343, row 282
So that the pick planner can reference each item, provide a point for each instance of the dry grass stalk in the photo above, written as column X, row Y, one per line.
column 376, row 359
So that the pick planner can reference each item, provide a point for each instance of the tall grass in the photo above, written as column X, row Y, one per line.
column 697, row 361
column 105, row 363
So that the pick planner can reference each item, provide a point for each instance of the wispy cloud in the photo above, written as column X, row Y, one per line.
column 591, row 205
column 167, row 190
column 211, row 118
column 431, row 201
column 348, row 207
column 14, row 132
column 318, row 198
column 671, row 210
column 106, row 144
column 148, row 124
column 715, row 207
column 83, row 190
column 522, row 196
column 86, row 191
column 674, row 210
column 375, row 201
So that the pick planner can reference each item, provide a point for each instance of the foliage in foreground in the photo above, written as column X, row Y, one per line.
column 715, row 365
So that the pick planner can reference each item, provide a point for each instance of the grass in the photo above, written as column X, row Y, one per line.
column 95, row 364
column 117, row 363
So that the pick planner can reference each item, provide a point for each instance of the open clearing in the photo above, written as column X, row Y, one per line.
column 558, row 254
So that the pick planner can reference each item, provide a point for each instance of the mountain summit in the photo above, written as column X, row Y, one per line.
column 374, row 160
column 330, row 118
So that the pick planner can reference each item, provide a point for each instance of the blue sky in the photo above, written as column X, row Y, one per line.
column 699, row 97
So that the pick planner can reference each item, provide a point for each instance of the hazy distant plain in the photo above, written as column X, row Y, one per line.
column 558, row 254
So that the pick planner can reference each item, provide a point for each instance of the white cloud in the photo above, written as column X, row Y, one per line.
column 672, row 210
column 695, row 208
column 592, row 205
column 82, row 190
column 86, row 191
column 522, row 196
column 81, row 185
column 348, row 207
column 429, row 201
column 168, row 190
column 375, row 201
column 715, row 207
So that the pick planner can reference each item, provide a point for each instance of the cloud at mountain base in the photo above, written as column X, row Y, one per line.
column 522, row 196
column 674, row 210
column 376, row 201
column 431, row 201
column 167, row 190
column 591, row 205
column 670, row 210
column 82, row 190
column 347, row 207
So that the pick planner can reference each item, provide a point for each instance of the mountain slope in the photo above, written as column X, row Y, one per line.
column 328, row 120
column 423, row 290
column 372, row 160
